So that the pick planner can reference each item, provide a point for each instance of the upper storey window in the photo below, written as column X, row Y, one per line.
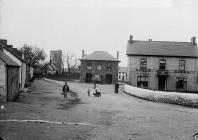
column 143, row 64
column 162, row 64
column 109, row 67
column 182, row 65
column 89, row 65
column 99, row 67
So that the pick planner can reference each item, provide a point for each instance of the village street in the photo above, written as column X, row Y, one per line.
column 110, row 117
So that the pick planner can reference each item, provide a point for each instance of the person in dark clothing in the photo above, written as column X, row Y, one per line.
column 116, row 87
column 88, row 92
column 65, row 90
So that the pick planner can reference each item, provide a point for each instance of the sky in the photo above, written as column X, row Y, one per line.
column 90, row 25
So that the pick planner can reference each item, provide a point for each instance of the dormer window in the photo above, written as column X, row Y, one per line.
column 143, row 64
column 99, row 67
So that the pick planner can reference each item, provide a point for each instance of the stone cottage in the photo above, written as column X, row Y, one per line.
column 22, row 63
column 9, row 78
column 100, row 67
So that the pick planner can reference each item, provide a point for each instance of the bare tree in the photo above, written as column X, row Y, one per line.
column 70, row 62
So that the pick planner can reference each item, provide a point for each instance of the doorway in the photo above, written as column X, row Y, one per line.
column 162, row 83
column 108, row 78
column 88, row 78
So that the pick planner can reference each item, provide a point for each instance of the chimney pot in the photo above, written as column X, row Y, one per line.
column 83, row 53
column 193, row 41
column 131, row 39
column 117, row 54
column 150, row 39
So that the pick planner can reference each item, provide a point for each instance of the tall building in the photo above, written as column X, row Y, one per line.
column 56, row 59
column 163, row 65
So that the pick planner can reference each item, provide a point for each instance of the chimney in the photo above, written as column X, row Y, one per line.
column 150, row 39
column 131, row 39
column 9, row 46
column 3, row 41
column 83, row 53
column 117, row 54
column 193, row 41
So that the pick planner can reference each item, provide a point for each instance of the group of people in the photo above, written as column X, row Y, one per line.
column 66, row 89
column 95, row 88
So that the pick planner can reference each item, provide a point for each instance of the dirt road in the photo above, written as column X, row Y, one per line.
column 79, row 117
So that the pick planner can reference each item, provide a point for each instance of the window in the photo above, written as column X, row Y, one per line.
column 142, row 81
column 89, row 65
column 162, row 64
column 99, row 67
column 109, row 67
column 181, row 83
column 143, row 64
column 182, row 65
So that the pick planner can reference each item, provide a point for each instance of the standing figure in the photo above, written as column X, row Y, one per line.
column 65, row 89
column 94, row 85
column 88, row 92
column 116, row 87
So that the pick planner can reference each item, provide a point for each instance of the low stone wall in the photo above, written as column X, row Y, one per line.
column 186, row 99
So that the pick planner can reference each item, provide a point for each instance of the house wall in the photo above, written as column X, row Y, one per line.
column 101, row 72
column 3, row 90
column 172, row 65
column 23, row 75
column 121, row 75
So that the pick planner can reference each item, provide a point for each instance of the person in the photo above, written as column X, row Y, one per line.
column 97, row 92
column 94, row 85
column 116, row 87
column 88, row 92
column 65, row 90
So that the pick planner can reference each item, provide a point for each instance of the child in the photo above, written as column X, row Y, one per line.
column 88, row 91
column 65, row 89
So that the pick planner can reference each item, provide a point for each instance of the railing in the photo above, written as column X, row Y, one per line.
column 162, row 72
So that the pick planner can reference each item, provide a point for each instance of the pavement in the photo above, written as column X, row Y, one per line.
column 43, row 114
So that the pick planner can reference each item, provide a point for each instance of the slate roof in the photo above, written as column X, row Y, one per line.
column 13, row 52
column 8, row 61
column 162, row 48
column 100, row 56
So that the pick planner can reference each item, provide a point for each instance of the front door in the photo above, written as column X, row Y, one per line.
column 109, row 79
column 88, row 78
column 161, row 83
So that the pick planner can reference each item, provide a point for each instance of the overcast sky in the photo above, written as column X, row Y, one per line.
column 74, row 25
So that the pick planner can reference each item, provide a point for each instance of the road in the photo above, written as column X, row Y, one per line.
column 111, row 117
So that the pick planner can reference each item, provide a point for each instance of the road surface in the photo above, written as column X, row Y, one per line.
column 79, row 117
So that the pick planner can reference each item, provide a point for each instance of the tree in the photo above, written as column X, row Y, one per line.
column 71, row 62
column 33, row 54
